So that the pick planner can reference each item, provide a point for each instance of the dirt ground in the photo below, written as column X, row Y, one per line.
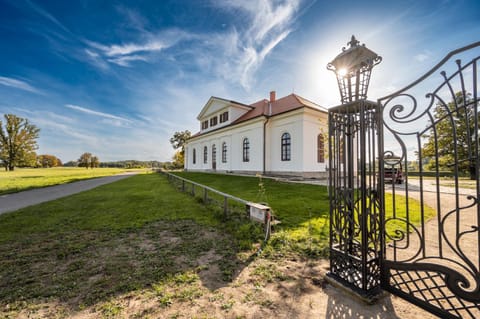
column 294, row 289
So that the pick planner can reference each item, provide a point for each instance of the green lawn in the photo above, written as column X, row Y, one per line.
column 133, row 236
column 140, row 240
column 26, row 178
column 303, row 210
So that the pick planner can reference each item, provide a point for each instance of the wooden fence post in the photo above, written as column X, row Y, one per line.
column 225, row 205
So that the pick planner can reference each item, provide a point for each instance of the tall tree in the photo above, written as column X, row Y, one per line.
column 452, row 139
column 94, row 162
column 18, row 140
column 84, row 160
column 178, row 142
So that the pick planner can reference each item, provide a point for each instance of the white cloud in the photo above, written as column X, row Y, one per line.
column 96, row 113
column 18, row 84
column 245, row 50
column 123, row 54
column 425, row 55
column 125, row 60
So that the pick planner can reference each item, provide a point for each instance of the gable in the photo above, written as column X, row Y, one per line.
column 216, row 105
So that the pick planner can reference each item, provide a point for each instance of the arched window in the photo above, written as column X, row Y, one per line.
column 194, row 157
column 214, row 154
column 320, row 148
column 224, row 152
column 286, row 147
column 205, row 155
column 246, row 150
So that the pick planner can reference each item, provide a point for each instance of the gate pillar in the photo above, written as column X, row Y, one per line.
column 355, row 202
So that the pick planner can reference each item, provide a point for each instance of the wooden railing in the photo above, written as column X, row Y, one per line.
column 233, row 207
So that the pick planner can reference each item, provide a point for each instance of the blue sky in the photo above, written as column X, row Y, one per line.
column 118, row 78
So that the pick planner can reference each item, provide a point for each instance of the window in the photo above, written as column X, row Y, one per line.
column 223, row 117
column 224, row 152
column 214, row 154
column 205, row 155
column 213, row 121
column 246, row 150
column 204, row 125
column 320, row 149
column 194, row 156
column 286, row 147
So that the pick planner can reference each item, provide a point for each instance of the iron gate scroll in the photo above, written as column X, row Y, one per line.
column 354, row 203
column 432, row 259
column 395, row 222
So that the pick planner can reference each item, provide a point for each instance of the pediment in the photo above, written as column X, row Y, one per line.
column 215, row 105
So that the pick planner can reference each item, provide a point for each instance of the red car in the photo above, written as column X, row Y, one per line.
column 393, row 175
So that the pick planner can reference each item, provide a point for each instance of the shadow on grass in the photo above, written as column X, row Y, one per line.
column 83, row 268
column 132, row 237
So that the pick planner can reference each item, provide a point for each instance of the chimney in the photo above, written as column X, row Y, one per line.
column 272, row 96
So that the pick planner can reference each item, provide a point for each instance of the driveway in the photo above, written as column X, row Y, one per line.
column 12, row 202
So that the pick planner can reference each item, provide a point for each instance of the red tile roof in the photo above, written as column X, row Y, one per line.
column 285, row 104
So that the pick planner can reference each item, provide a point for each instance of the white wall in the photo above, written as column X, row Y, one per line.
column 303, row 125
column 287, row 123
column 253, row 130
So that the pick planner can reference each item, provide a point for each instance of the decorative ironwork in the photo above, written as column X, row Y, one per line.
column 354, row 203
column 433, row 260
column 353, row 68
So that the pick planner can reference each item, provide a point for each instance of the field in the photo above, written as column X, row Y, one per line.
column 27, row 178
column 138, row 248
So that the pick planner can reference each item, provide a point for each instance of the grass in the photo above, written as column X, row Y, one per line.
column 28, row 178
column 303, row 210
column 85, row 249
column 141, row 239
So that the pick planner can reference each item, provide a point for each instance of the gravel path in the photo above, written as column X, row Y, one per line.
column 12, row 202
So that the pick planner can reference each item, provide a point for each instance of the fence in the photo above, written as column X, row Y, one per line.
column 233, row 207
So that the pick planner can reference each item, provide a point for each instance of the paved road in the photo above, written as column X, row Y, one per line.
column 11, row 202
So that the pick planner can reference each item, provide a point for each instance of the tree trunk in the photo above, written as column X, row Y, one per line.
column 11, row 168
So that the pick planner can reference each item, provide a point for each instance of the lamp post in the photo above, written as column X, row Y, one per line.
column 355, row 201
column 353, row 68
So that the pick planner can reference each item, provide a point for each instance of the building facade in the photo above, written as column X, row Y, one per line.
column 280, row 137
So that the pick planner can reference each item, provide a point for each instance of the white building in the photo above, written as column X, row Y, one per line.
column 283, row 136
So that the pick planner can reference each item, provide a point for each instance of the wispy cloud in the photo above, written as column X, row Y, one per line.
column 100, row 114
column 46, row 15
column 18, row 84
column 125, row 53
column 269, row 24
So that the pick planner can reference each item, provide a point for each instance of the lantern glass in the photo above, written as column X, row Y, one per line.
column 353, row 68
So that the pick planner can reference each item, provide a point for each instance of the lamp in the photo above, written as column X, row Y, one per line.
column 353, row 68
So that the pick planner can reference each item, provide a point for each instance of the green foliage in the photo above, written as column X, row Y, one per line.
column 18, row 141
column 179, row 139
column 451, row 138
column 88, row 160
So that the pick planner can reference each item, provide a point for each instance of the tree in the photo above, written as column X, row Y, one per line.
column 452, row 137
column 18, row 140
column 47, row 160
column 84, row 160
column 94, row 162
column 179, row 140
column 178, row 159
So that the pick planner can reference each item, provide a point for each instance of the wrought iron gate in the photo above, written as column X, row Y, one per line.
column 396, row 222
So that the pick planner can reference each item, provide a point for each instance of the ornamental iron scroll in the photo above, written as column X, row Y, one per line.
column 355, row 245
column 431, row 224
